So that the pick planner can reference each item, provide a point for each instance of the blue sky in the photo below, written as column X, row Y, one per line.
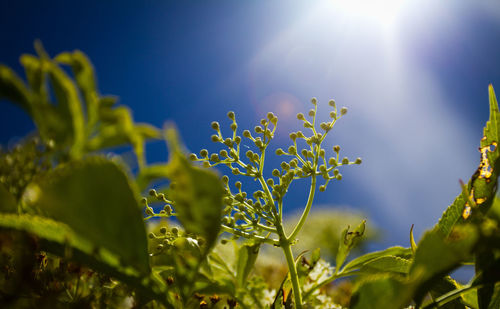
column 414, row 75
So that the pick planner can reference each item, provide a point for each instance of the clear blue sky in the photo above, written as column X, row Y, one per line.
column 414, row 77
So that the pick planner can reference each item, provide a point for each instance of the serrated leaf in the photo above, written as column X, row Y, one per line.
column 392, row 251
column 388, row 263
column 247, row 255
column 96, row 199
column 481, row 187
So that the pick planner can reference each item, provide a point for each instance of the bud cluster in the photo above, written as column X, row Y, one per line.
column 163, row 239
column 20, row 164
column 167, row 210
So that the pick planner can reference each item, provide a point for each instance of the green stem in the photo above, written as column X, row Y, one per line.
column 304, row 215
column 287, row 249
column 446, row 298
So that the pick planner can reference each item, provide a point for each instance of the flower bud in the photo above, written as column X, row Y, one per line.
column 237, row 140
column 270, row 182
column 311, row 113
column 223, row 241
column 307, row 125
column 300, row 134
column 331, row 103
column 175, row 231
column 358, row 161
column 310, row 154
column 236, row 171
column 322, row 168
column 247, row 134
column 257, row 129
column 263, row 122
column 304, row 153
column 276, row 173
column 335, row 172
column 230, row 115
column 214, row 157
column 215, row 138
column 345, row 161
column 228, row 142
column 300, row 116
column 223, row 153
column 285, row 166
column 259, row 143
column 332, row 161
column 193, row 157
column 336, row 148
column 343, row 111
column 292, row 150
column 237, row 185
column 238, row 216
column 256, row 157
column 167, row 209
column 270, row 115
column 280, row 152
column 215, row 125
column 163, row 230
column 339, row 177
column 225, row 179
column 333, row 115
column 322, row 153
column 234, row 126
column 152, row 192
column 203, row 153
column 293, row 136
column 206, row 164
column 274, row 120
column 151, row 235
column 314, row 101
column 144, row 201
column 293, row 163
column 322, row 188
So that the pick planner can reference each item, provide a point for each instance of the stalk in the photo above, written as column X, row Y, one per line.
column 292, row 269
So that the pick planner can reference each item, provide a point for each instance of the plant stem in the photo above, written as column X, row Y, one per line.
column 287, row 249
column 304, row 215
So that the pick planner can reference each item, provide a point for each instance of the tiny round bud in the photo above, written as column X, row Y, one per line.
column 322, row 168
column 234, row 126
column 151, row 235
column 223, row 153
column 256, row 157
column 215, row 138
column 274, row 120
column 203, row 153
column 175, row 231
column 163, row 230
column 270, row 115
column 343, row 110
column 206, row 164
column 322, row 153
column 225, row 179
column 223, row 241
column 358, row 161
column 335, row 172
column 307, row 125
column 237, row 140
column 331, row 103
column 332, row 162
column 193, row 157
column 285, row 166
column 214, row 157
column 304, row 152
column 215, row 125
column 322, row 188
column 333, row 115
column 236, row 171
column 293, row 163
column 276, row 173
column 230, row 115
column 311, row 113
column 314, row 101
column 300, row 116
column 293, row 136
column 249, row 154
column 270, row 182
column 345, row 161
column 300, row 134
column 259, row 143
column 152, row 192
column 263, row 122
column 310, row 154
column 292, row 150
column 238, row 216
column 144, row 201
column 247, row 134
column 339, row 177
column 280, row 152
column 237, row 185
column 257, row 129
column 336, row 148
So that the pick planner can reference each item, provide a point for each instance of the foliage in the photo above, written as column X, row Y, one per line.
column 72, row 232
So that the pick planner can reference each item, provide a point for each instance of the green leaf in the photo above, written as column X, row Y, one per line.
column 58, row 238
column 247, row 255
column 95, row 198
column 12, row 88
column 392, row 251
column 150, row 173
column 347, row 242
column 445, row 285
column 481, row 187
column 197, row 193
column 386, row 292
column 388, row 263
column 7, row 201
